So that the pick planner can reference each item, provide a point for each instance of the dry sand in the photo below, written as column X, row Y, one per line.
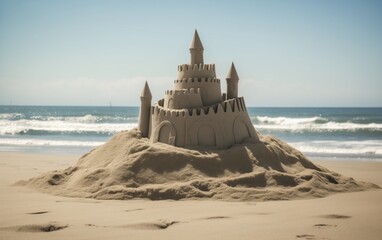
column 129, row 167
column 28, row 214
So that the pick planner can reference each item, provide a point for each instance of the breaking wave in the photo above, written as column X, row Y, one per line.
column 88, row 118
column 349, row 132
column 33, row 127
column 50, row 142
column 311, row 124
column 367, row 148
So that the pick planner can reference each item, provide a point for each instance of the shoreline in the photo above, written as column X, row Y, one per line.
column 78, row 151
column 355, row 215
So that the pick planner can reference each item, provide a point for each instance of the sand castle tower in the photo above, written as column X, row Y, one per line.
column 144, row 113
column 195, row 112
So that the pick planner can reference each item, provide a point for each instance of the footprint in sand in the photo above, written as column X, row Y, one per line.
column 306, row 236
column 79, row 201
column 335, row 216
column 47, row 227
column 310, row 237
column 323, row 225
column 160, row 224
column 133, row 210
column 92, row 225
column 216, row 217
column 37, row 213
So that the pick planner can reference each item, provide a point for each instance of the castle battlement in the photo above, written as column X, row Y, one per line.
column 198, row 80
column 229, row 106
column 183, row 98
column 183, row 92
column 196, row 70
column 196, row 67
column 209, row 88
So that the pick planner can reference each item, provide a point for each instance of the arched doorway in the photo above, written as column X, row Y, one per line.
column 165, row 133
column 205, row 133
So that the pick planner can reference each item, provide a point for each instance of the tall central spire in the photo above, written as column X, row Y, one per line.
column 196, row 50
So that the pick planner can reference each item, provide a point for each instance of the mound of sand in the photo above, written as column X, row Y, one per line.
column 128, row 167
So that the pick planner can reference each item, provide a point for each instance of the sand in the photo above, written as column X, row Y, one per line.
column 129, row 167
column 223, row 194
column 29, row 214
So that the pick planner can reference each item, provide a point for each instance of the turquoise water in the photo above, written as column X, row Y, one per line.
column 354, row 133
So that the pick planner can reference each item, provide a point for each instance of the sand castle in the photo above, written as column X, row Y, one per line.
column 195, row 112
column 240, row 164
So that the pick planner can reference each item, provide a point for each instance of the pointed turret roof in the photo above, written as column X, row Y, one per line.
column 146, row 93
column 232, row 74
column 196, row 43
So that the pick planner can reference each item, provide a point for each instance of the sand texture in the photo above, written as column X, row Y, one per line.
column 33, row 215
column 128, row 167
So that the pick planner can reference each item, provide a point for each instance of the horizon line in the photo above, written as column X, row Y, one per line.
column 137, row 106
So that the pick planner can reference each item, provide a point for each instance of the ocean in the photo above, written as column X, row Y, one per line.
column 341, row 133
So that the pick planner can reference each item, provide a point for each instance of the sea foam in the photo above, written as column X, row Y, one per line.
column 50, row 142
column 57, row 126
column 313, row 124
column 367, row 148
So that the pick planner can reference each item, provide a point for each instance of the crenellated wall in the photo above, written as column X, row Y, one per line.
column 196, row 70
column 210, row 90
column 185, row 98
column 197, row 80
column 220, row 125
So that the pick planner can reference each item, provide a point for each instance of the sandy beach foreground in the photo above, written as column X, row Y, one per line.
column 27, row 214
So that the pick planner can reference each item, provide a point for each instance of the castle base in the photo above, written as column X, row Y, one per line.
column 218, row 126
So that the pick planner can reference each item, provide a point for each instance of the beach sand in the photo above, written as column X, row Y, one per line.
column 130, row 167
column 28, row 214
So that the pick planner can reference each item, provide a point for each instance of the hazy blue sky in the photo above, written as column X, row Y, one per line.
column 287, row 53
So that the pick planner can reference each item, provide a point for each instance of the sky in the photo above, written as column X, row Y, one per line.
column 287, row 53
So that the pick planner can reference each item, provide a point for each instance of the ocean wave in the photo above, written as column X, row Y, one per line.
column 30, row 126
column 327, row 127
column 44, row 142
column 312, row 124
column 11, row 116
column 289, row 121
column 87, row 118
column 364, row 148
